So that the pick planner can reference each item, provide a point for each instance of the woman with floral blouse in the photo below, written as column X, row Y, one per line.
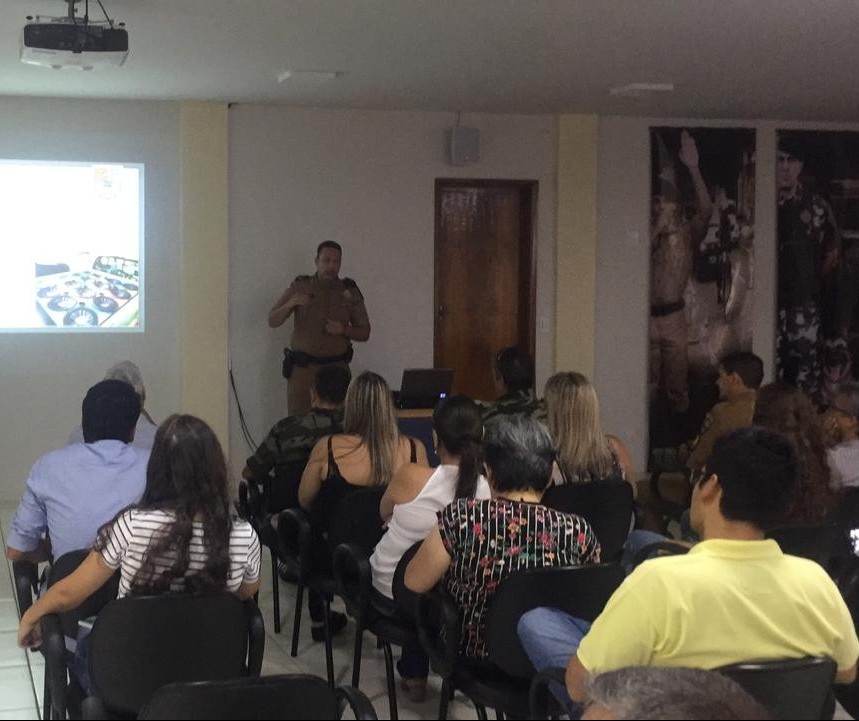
column 478, row 544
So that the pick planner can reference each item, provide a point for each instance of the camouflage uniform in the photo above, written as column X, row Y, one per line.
column 292, row 438
column 807, row 234
column 337, row 299
column 514, row 403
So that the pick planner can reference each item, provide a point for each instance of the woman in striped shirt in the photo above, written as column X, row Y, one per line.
column 180, row 537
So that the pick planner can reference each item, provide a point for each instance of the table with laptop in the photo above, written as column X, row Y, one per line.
column 420, row 391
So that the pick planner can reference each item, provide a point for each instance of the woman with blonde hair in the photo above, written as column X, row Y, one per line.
column 368, row 453
column 584, row 452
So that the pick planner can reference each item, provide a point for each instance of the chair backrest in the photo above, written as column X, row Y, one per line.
column 64, row 566
column 816, row 543
column 139, row 644
column 658, row 550
column 272, row 697
column 605, row 505
column 582, row 592
column 281, row 491
column 789, row 688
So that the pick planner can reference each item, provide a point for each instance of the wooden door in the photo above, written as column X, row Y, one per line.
column 484, row 277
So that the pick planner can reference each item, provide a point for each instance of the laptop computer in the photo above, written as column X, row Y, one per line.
column 424, row 387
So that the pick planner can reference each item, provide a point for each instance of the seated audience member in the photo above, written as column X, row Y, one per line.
column 841, row 426
column 585, row 453
column 734, row 597
column 788, row 410
column 368, row 453
column 513, row 373
column 410, row 506
column 179, row 537
column 478, row 544
column 740, row 375
column 73, row 491
column 292, row 438
column 650, row 693
column 144, row 432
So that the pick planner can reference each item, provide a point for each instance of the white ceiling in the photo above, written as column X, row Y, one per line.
column 786, row 59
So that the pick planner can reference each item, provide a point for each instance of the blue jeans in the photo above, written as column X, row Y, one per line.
column 551, row 638
column 636, row 541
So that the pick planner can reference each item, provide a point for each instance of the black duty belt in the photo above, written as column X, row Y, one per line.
column 658, row 311
column 303, row 359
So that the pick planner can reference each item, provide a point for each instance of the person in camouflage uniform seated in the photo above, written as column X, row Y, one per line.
column 513, row 370
column 291, row 439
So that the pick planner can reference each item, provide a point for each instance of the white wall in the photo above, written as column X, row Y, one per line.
column 43, row 377
column 365, row 179
column 622, row 282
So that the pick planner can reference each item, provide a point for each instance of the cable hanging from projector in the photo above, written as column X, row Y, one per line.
column 243, row 424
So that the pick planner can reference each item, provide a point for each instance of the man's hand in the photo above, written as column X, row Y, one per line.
column 29, row 632
column 335, row 327
column 301, row 299
column 688, row 150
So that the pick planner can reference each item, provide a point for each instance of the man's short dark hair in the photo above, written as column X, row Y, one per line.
column 328, row 244
column 109, row 412
column 519, row 451
column 330, row 384
column 515, row 367
column 652, row 692
column 792, row 144
column 759, row 471
column 748, row 366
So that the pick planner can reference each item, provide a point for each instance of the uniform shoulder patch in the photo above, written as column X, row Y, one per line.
column 349, row 283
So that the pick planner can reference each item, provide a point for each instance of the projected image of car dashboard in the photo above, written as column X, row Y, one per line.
column 107, row 296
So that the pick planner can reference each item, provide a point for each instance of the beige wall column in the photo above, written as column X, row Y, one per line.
column 205, row 255
column 575, row 256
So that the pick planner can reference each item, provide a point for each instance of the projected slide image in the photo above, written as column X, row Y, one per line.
column 71, row 235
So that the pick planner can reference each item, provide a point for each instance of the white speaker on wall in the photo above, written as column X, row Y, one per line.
column 464, row 145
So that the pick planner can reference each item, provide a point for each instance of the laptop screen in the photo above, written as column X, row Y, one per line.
column 424, row 387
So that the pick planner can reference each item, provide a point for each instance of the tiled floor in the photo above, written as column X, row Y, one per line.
column 22, row 673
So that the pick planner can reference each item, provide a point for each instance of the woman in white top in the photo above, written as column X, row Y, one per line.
column 411, row 504
column 841, row 426
column 180, row 537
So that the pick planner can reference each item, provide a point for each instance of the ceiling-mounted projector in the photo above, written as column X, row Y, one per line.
column 73, row 42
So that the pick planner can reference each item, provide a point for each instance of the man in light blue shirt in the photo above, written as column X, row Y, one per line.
column 73, row 491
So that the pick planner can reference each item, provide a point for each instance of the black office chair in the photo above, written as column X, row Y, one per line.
column 824, row 544
column 299, row 549
column 62, row 692
column 259, row 502
column 606, row 505
column 141, row 643
column 504, row 682
column 26, row 577
column 354, row 581
column 789, row 688
column 272, row 697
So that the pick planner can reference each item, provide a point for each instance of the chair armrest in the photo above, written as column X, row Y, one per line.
column 540, row 698
column 93, row 709
column 353, row 578
column 295, row 538
column 439, row 630
column 357, row 701
column 26, row 574
column 256, row 637
column 54, row 650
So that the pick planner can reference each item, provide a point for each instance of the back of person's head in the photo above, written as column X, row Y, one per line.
column 652, row 693
column 788, row 410
column 458, row 424
column 759, row 472
column 187, row 477
column 129, row 373
column 573, row 415
column 109, row 412
column 331, row 383
column 369, row 414
column 747, row 366
column 519, row 453
column 515, row 369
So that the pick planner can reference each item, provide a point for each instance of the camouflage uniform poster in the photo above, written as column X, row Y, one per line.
column 817, row 334
column 701, row 274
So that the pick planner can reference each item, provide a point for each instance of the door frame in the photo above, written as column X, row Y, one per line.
column 527, row 249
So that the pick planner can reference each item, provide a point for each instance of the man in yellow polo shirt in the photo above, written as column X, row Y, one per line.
column 734, row 597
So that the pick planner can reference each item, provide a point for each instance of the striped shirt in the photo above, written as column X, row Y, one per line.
column 133, row 532
column 489, row 540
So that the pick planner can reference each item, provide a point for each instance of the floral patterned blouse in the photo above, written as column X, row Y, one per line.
column 489, row 540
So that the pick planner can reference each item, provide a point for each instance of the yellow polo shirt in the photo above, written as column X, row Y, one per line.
column 724, row 602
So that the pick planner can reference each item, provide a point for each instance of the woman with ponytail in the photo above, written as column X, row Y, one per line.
column 411, row 504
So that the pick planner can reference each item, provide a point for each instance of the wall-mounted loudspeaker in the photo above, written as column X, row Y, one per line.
column 464, row 145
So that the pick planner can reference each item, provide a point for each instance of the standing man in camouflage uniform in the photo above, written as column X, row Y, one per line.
column 673, row 239
column 513, row 372
column 329, row 315
column 809, row 246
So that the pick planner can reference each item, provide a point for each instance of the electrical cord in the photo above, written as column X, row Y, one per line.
column 246, row 433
